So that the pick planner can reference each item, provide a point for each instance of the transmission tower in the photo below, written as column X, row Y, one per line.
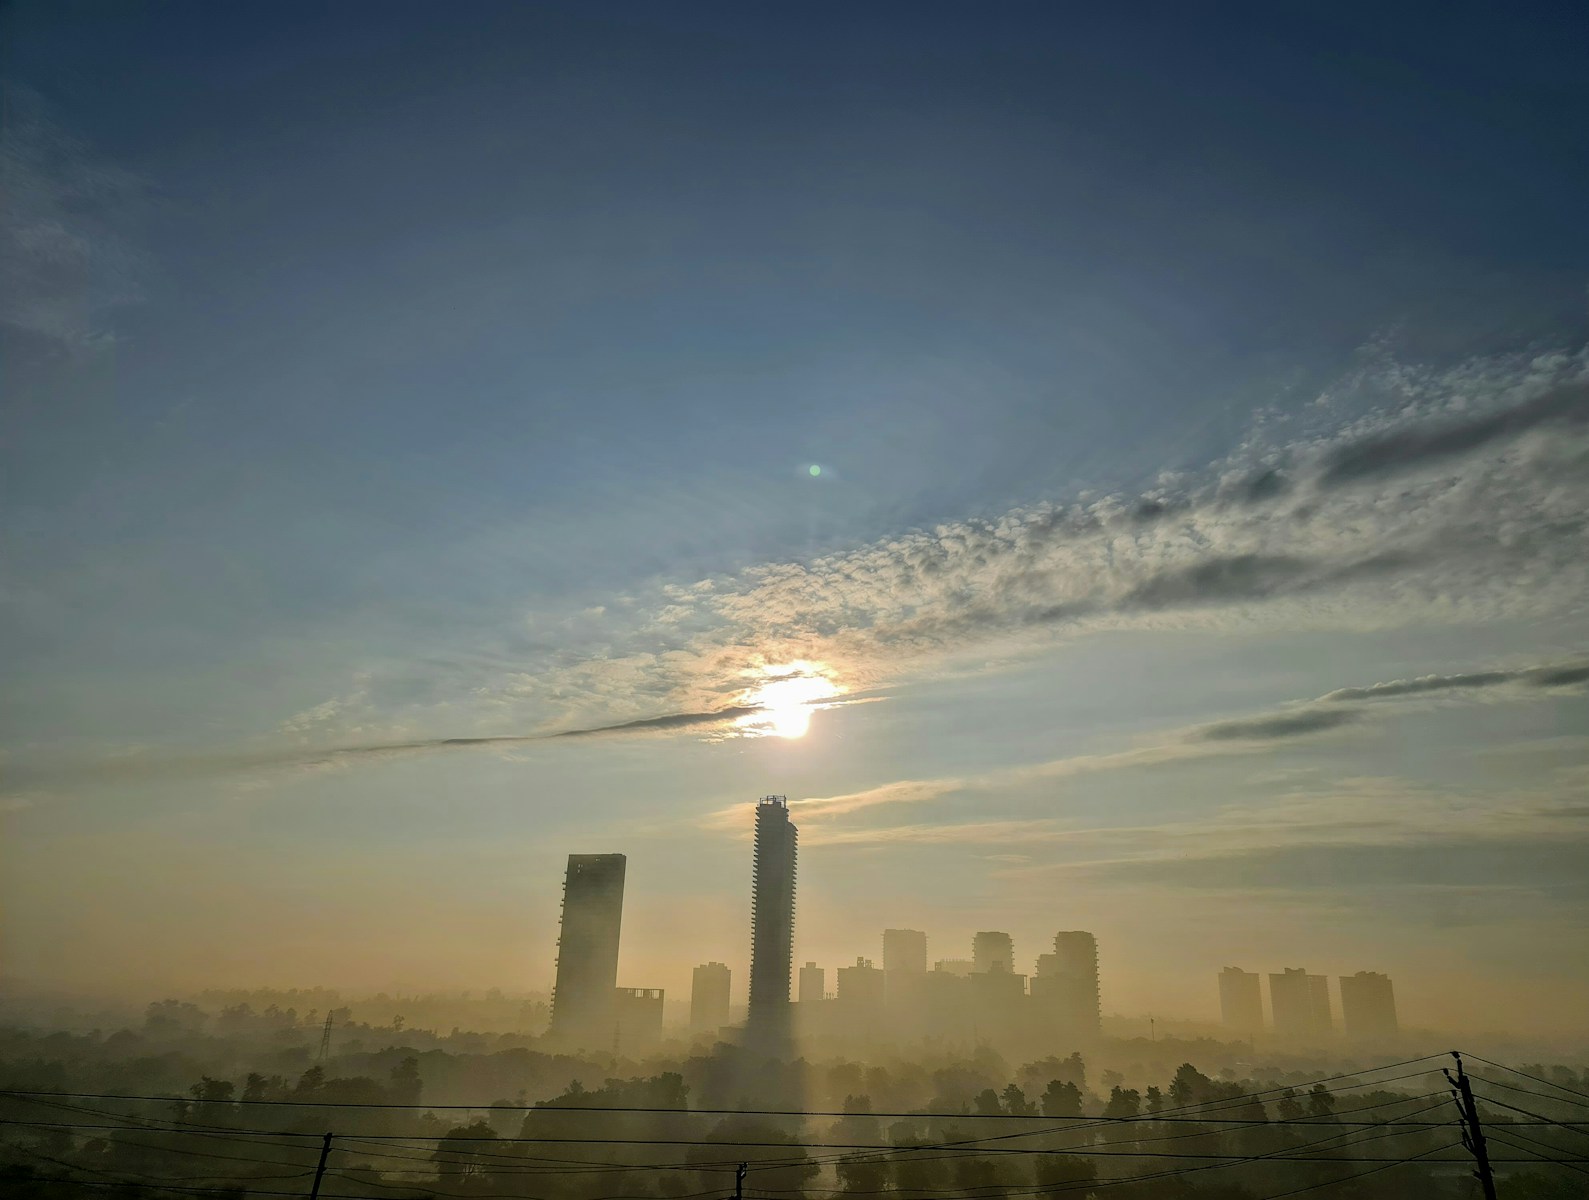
column 325, row 1041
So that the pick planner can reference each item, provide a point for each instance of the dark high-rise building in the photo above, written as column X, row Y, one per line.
column 1300, row 1005
column 709, row 988
column 1066, row 983
column 772, row 907
column 587, row 951
column 1241, row 1001
column 905, row 950
column 992, row 951
column 1368, row 1007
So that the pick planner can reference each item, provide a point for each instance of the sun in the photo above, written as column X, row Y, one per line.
column 786, row 696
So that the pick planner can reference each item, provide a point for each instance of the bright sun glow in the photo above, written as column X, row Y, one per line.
column 787, row 695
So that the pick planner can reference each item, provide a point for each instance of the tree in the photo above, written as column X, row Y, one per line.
column 1016, row 1103
column 1123, row 1102
column 1063, row 1175
column 1288, row 1107
column 1320, row 1102
column 1061, row 1099
column 1155, row 1099
column 1190, row 1086
column 405, row 1083
column 461, row 1151
column 986, row 1103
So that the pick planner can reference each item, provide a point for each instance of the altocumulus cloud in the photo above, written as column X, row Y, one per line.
column 1467, row 501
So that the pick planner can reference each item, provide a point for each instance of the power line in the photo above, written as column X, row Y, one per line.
column 1512, row 1087
column 1503, row 1067
column 1313, row 1187
column 1505, row 1137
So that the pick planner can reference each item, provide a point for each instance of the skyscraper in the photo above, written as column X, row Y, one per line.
column 1368, row 1007
column 1241, row 1001
column 1300, row 1005
column 904, row 950
column 1066, row 983
column 993, row 951
column 587, row 951
column 772, row 907
column 709, row 988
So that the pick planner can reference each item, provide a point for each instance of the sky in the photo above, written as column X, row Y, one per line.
column 1112, row 467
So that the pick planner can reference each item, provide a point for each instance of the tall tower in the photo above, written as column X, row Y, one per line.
column 1368, row 1007
column 1241, row 1001
column 1300, row 1005
column 772, row 906
column 587, row 951
column 709, row 996
column 1076, row 965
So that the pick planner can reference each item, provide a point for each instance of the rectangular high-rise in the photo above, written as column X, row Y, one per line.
column 1066, row 983
column 772, row 907
column 709, row 990
column 1241, row 1001
column 1300, row 1005
column 587, row 951
column 1368, row 1007
column 813, row 984
column 993, row 951
column 905, row 950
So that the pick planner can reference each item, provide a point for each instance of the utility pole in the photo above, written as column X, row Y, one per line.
column 320, row 1171
column 1472, row 1133
column 325, row 1041
column 739, row 1180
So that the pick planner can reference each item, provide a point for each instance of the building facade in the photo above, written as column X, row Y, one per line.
column 1299, row 1003
column 709, row 992
column 637, row 1020
column 587, row 951
column 1368, row 1007
column 1241, row 1001
column 993, row 951
column 1066, row 984
column 905, row 950
column 772, row 909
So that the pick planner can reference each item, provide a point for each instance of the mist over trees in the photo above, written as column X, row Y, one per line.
column 229, row 1096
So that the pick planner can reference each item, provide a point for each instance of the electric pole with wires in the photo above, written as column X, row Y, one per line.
column 1472, row 1132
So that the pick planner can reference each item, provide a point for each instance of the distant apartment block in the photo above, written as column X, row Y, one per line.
column 954, row 966
column 905, row 950
column 1300, row 1005
column 1241, row 1001
column 1368, row 1007
column 637, row 1018
column 587, row 951
column 1066, row 983
column 813, row 983
column 709, row 992
column 993, row 951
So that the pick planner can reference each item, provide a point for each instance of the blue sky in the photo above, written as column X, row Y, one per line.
column 377, row 374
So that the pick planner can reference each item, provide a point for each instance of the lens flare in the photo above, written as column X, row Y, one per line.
column 787, row 695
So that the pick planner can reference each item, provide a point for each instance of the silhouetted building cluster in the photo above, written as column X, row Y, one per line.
column 1299, row 1006
column 965, row 1001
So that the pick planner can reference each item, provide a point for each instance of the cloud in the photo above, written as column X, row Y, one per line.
column 1255, row 734
column 1562, row 675
column 1276, row 727
column 1493, row 525
column 1404, row 450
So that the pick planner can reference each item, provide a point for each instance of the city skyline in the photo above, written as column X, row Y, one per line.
column 1113, row 471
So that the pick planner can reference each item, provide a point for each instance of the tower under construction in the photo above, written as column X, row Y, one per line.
column 587, row 951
